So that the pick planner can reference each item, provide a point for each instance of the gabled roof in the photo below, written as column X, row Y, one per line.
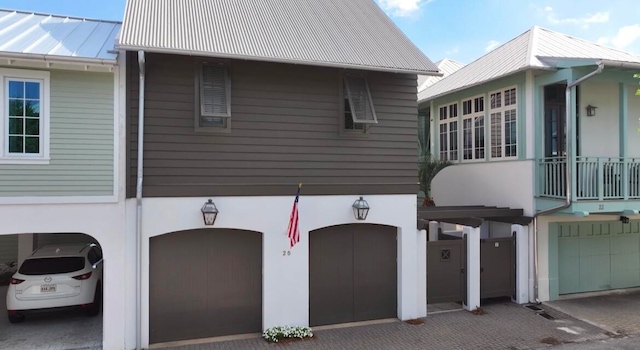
column 35, row 35
column 338, row 33
column 537, row 48
column 446, row 67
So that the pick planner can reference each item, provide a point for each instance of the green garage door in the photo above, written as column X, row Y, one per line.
column 595, row 256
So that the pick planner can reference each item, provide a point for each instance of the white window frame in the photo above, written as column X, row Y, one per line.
column 347, row 86
column 360, row 129
column 447, row 122
column 43, row 77
column 505, row 106
column 473, row 115
column 199, row 108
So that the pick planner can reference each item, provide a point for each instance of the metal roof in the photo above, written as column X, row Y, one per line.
column 35, row 35
column 446, row 67
column 350, row 34
column 537, row 48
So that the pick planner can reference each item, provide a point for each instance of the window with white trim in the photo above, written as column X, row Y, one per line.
column 348, row 125
column 214, row 84
column 448, row 128
column 503, row 118
column 473, row 128
column 25, row 114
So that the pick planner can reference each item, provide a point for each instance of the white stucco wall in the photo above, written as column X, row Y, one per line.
column 105, row 223
column 600, row 133
column 286, row 278
column 505, row 184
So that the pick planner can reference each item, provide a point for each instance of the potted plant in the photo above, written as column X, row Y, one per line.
column 428, row 167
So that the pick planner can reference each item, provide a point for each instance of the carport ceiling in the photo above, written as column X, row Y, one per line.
column 472, row 216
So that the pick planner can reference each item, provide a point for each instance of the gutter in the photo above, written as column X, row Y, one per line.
column 59, row 59
column 141, row 65
column 435, row 73
column 568, row 176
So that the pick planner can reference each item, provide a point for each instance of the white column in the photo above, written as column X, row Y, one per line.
column 422, row 273
column 522, row 263
column 25, row 246
column 473, row 267
column 433, row 230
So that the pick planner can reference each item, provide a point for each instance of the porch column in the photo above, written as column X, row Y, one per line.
column 422, row 273
column 522, row 263
column 473, row 267
column 573, row 140
column 624, row 123
column 434, row 228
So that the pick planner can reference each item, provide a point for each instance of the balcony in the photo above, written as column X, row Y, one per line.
column 597, row 178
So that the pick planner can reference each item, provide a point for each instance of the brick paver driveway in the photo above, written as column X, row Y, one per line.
column 51, row 331
column 618, row 313
column 504, row 326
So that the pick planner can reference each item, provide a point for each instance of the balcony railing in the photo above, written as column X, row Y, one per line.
column 597, row 178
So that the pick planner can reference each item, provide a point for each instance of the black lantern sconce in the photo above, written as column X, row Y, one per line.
column 209, row 212
column 360, row 209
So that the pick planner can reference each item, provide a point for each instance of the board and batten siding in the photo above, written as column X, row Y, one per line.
column 81, row 141
column 285, row 130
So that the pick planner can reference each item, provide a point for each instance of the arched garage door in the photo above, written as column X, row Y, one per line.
column 352, row 274
column 205, row 283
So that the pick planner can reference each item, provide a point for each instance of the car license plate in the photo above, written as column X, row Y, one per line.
column 48, row 288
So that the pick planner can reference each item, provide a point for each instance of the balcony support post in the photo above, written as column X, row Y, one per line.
column 623, row 127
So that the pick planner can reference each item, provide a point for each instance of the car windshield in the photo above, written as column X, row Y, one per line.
column 50, row 266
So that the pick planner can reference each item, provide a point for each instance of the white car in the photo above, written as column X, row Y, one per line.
column 57, row 276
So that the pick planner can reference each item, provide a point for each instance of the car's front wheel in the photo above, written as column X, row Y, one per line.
column 94, row 308
column 15, row 317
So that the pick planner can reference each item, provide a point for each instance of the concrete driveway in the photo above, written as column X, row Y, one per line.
column 618, row 313
column 52, row 331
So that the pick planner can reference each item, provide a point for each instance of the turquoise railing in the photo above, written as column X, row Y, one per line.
column 597, row 178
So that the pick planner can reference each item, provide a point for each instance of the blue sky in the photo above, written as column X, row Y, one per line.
column 462, row 30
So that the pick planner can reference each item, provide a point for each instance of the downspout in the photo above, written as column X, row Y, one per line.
column 141, row 65
column 568, row 176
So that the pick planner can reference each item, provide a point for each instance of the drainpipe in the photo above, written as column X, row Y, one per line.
column 141, row 65
column 568, row 176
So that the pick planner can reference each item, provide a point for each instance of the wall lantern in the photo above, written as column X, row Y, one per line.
column 624, row 219
column 209, row 212
column 591, row 110
column 360, row 209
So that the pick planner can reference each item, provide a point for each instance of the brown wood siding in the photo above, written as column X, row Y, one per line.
column 284, row 130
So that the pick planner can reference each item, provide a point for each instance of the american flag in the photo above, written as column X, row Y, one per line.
column 293, row 232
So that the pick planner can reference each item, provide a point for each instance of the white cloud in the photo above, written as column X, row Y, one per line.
column 491, row 45
column 585, row 21
column 626, row 36
column 402, row 8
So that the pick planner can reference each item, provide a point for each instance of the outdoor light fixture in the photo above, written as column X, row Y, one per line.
column 591, row 110
column 209, row 212
column 360, row 209
column 624, row 219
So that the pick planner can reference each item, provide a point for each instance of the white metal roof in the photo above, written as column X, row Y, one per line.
column 446, row 67
column 350, row 34
column 34, row 35
column 537, row 48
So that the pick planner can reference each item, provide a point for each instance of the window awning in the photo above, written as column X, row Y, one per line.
column 472, row 216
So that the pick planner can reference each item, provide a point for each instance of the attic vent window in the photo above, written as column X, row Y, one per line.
column 360, row 101
column 215, row 96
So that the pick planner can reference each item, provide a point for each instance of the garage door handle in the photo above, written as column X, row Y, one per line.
column 481, row 269
column 462, row 270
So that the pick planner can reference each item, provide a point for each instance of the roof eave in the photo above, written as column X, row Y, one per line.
column 278, row 60
column 523, row 69
column 58, row 59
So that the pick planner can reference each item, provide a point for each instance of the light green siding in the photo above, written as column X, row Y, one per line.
column 82, row 141
column 594, row 256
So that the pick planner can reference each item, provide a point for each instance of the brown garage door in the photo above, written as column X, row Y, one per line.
column 352, row 274
column 205, row 283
